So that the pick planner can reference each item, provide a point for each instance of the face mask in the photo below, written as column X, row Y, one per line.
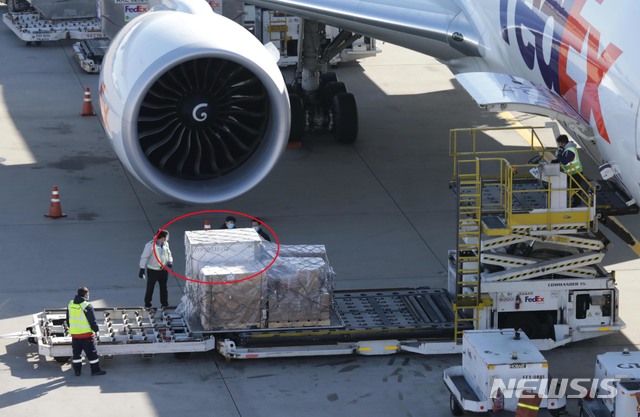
column 231, row 225
column 256, row 228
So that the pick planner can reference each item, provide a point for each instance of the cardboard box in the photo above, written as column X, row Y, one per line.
column 237, row 305
column 298, row 294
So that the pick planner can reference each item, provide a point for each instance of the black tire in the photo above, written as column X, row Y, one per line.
column 61, row 359
column 455, row 408
column 28, row 43
column 345, row 118
column 326, row 78
column 330, row 90
column 528, row 323
column 298, row 122
column 38, row 43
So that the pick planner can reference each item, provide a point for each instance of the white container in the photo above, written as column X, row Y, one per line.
column 220, row 247
column 489, row 355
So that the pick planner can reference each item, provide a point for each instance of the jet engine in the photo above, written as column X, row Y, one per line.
column 195, row 106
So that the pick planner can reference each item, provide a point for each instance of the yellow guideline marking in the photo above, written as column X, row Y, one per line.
column 513, row 121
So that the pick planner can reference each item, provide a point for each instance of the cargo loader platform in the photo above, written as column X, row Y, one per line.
column 359, row 322
column 357, row 316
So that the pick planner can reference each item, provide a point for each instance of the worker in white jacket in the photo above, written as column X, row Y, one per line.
column 156, row 271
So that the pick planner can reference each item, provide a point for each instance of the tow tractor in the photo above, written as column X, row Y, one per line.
column 497, row 365
column 524, row 259
column 618, row 389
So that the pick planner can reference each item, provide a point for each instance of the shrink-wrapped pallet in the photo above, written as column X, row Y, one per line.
column 299, row 292
column 220, row 247
column 230, row 302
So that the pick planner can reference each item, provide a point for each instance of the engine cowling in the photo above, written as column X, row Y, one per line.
column 194, row 105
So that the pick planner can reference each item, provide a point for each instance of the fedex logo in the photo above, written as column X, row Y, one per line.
column 555, row 37
column 138, row 8
column 533, row 299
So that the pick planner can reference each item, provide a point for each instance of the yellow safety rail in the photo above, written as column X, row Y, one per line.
column 469, row 143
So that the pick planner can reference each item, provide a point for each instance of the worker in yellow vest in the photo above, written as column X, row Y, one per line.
column 567, row 156
column 82, row 328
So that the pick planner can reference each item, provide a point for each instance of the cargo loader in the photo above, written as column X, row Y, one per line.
column 524, row 259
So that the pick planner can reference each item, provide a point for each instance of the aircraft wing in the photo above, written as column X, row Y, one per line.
column 437, row 28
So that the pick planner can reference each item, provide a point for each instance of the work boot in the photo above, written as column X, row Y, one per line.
column 77, row 368
column 77, row 373
column 97, row 373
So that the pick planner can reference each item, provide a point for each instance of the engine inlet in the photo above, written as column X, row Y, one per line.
column 203, row 118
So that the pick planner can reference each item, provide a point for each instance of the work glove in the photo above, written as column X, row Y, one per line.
column 141, row 273
column 169, row 264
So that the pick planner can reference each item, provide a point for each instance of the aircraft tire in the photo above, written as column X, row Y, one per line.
column 326, row 78
column 330, row 90
column 345, row 116
column 296, row 132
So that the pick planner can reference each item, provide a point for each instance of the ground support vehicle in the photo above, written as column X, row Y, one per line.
column 132, row 330
column 494, row 363
column 526, row 258
column 34, row 27
column 617, row 375
column 267, row 25
column 523, row 260
column 89, row 54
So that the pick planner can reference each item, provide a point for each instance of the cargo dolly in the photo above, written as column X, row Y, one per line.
column 358, row 320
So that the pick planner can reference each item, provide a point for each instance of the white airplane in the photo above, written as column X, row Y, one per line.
column 197, row 109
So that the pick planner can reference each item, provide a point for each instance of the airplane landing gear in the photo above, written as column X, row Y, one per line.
column 318, row 100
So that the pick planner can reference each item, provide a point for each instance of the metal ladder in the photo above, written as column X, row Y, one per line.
column 278, row 30
column 469, row 191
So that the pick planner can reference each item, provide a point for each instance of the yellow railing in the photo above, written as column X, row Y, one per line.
column 465, row 143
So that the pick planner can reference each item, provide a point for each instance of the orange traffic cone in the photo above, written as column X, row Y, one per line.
column 294, row 144
column 87, row 106
column 207, row 225
column 55, row 211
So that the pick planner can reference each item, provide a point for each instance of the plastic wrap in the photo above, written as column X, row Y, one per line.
column 238, row 305
column 220, row 247
column 298, row 292
column 295, row 291
column 69, row 9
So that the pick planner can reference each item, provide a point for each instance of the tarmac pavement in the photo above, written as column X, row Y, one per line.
column 381, row 206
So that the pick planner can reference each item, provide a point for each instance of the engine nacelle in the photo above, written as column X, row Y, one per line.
column 195, row 106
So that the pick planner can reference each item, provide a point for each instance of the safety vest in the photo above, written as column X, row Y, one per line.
column 574, row 166
column 78, row 323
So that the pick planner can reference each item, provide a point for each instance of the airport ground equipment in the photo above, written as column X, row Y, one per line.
column 617, row 375
column 495, row 366
column 123, row 331
column 523, row 260
column 267, row 25
column 35, row 22
column 516, row 225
